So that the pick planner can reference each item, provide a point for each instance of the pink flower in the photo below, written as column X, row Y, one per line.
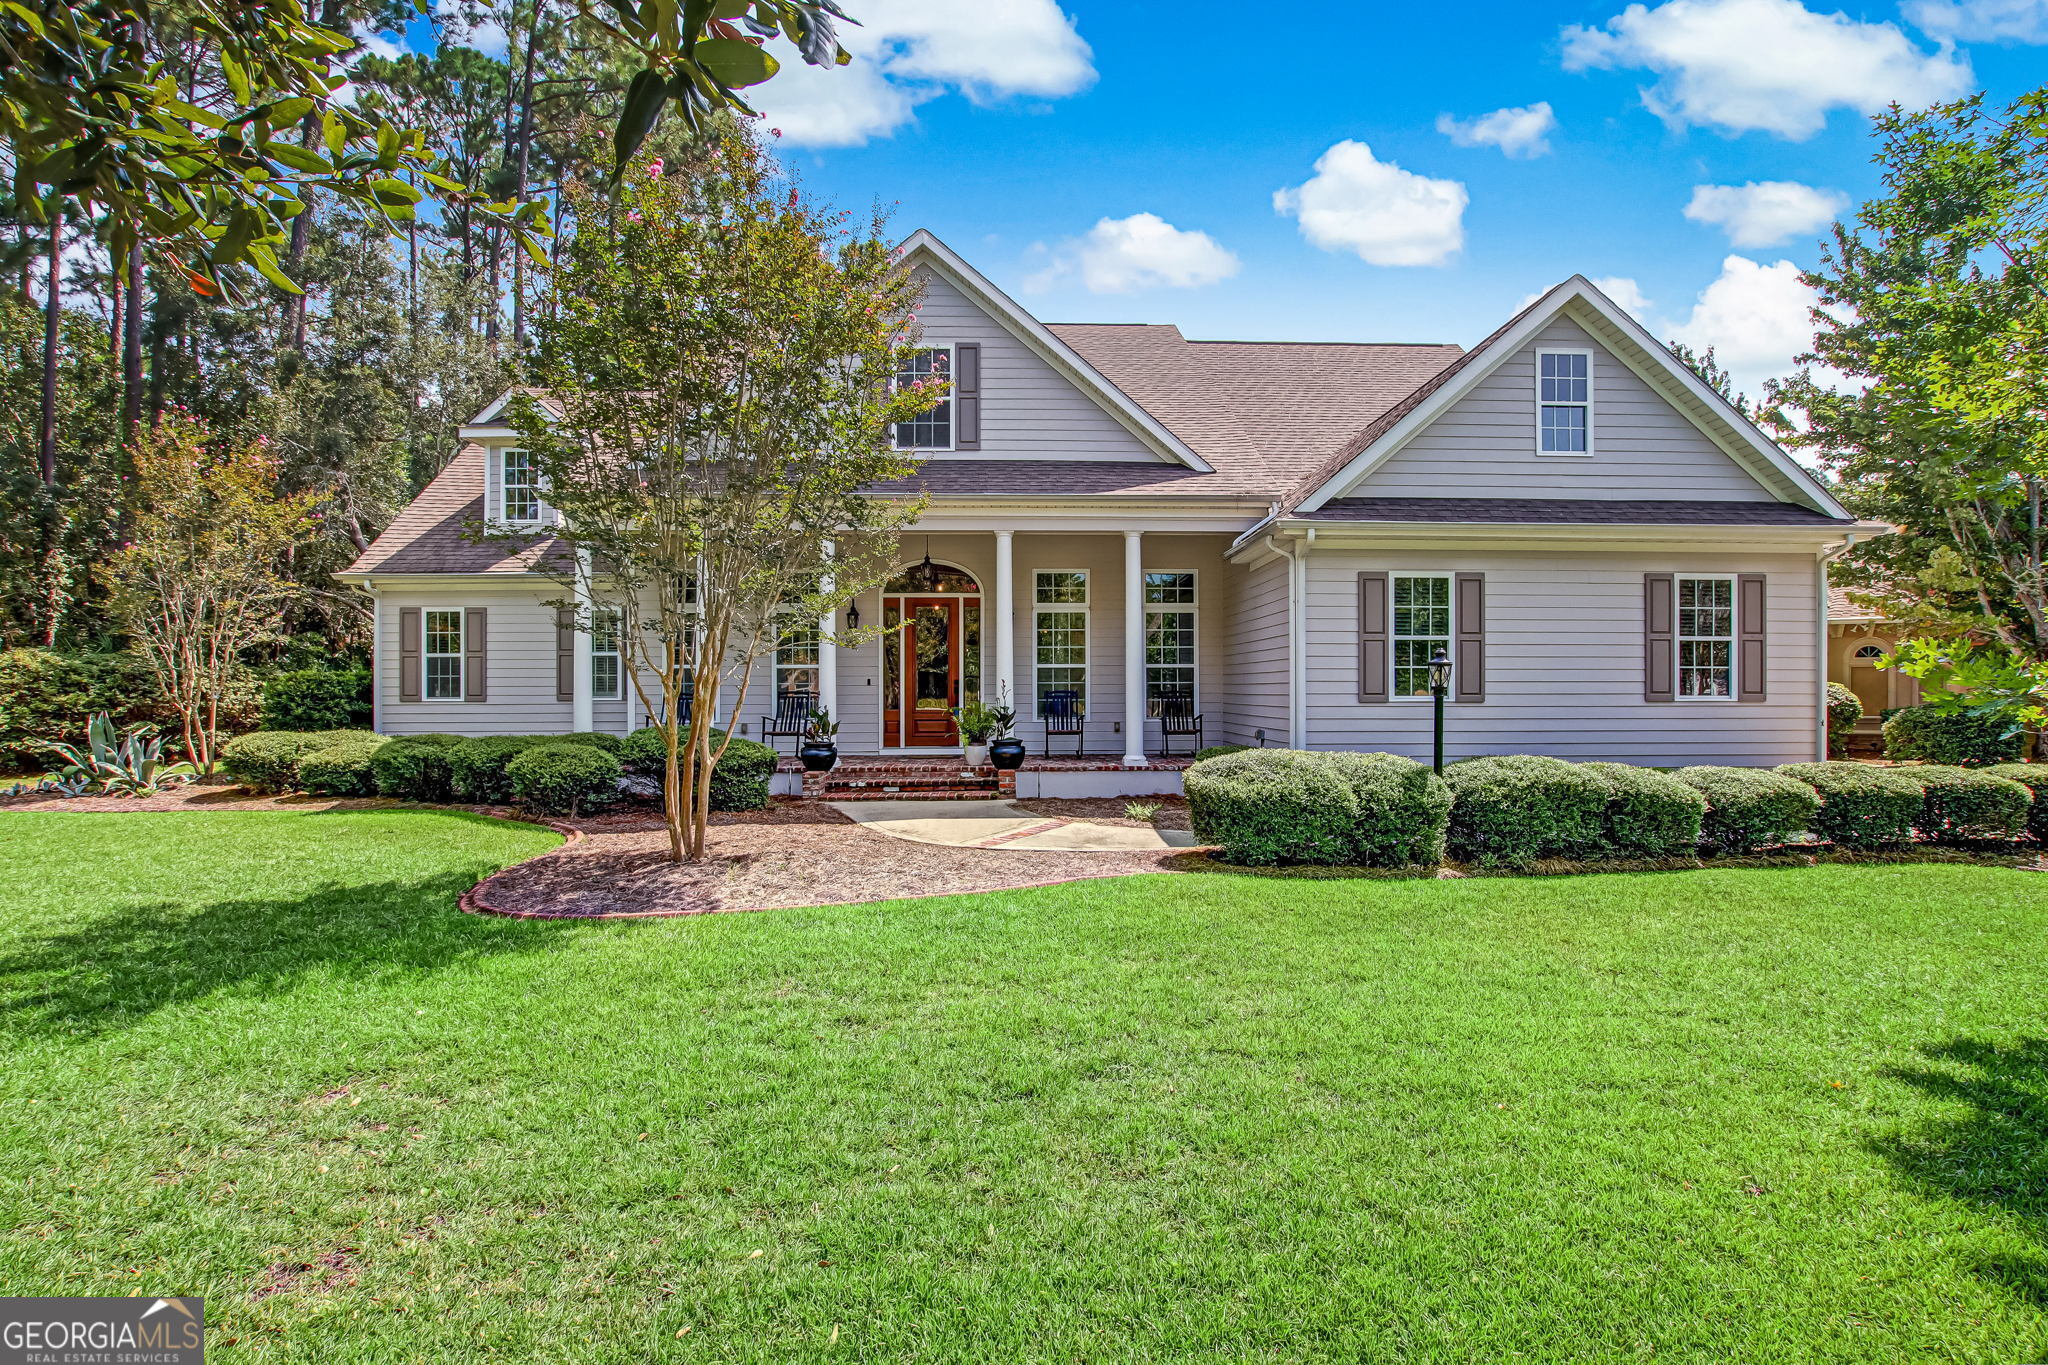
column 654, row 168
column 633, row 217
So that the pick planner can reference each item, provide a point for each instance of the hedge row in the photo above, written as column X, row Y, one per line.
column 1273, row 806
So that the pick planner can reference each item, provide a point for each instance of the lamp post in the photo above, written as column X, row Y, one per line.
column 1439, row 688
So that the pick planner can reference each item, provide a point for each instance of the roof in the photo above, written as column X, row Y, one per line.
column 1050, row 478
column 1568, row 512
column 1841, row 609
column 433, row 534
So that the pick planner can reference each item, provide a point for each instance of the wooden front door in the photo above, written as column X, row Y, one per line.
column 927, row 680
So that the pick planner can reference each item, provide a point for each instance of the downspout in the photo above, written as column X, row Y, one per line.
column 1826, row 557
column 1297, row 639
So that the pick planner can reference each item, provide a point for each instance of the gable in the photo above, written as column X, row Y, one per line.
column 1484, row 444
column 1029, row 410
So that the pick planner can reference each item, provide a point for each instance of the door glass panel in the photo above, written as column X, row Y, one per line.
column 970, row 649
column 933, row 680
column 892, row 656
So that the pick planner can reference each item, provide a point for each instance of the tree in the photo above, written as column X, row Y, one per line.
column 1703, row 364
column 1935, row 300
column 203, row 581
column 718, row 371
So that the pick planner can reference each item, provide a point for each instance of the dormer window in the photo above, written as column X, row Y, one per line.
column 521, row 487
column 931, row 430
column 1564, row 402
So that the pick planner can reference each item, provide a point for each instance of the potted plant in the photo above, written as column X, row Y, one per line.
column 1005, row 750
column 819, row 752
column 977, row 722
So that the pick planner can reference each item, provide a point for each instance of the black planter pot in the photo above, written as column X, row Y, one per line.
column 818, row 756
column 1007, row 753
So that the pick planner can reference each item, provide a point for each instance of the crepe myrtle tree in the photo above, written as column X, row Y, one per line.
column 716, row 382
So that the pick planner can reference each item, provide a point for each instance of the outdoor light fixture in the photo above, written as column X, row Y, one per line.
column 853, row 616
column 925, row 575
column 1439, row 688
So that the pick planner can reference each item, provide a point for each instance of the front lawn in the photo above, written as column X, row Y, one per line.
column 1763, row 1115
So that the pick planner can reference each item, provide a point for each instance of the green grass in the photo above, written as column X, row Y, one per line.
column 1754, row 1115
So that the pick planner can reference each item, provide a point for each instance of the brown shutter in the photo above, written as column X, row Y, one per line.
column 1374, row 642
column 1660, row 636
column 1468, row 616
column 409, row 654
column 474, row 642
column 967, row 396
column 565, row 654
column 1750, row 622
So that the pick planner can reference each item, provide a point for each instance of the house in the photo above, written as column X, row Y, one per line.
column 1618, row 563
column 1859, row 640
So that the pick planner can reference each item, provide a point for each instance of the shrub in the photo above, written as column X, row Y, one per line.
column 1649, row 814
column 342, row 768
column 1860, row 806
column 739, row 782
column 415, row 767
column 1512, row 810
column 1968, row 805
column 1750, row 808
column 558, row 778
column 1964, row 740
column 1403, row 810
column 1272, row 806
column 1844, row 710
column 1218, row 750
column 476, row 767
column 317, row 699
column 268, row 760
column 46, row 695
column 593, row 739
column 2034, row 777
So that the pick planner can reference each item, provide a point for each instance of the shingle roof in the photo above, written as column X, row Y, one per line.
column 428, row 536
column 1840, row 608
column 1562, row 511
column 1052, row 478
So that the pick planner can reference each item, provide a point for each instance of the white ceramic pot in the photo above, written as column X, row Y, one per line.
column 977, row 755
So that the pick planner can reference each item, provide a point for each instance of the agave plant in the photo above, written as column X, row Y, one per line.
column 119, row 764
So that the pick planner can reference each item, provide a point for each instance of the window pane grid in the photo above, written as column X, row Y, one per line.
column 1061, row 587
column 1422, row 625
column 1169, row 656
column 1170, row 588
column 1706, row 637
column 606, row 676
column 932, row 430
column 442, row 647
column 796, row 659
column 1564, row 392
column 522, row 492
column 1060, row 655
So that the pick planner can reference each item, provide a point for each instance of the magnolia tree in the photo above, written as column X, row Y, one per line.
column 716, row 374
column 203, row 579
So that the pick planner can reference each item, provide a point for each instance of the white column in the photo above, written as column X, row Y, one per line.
column 1134, row 649
column 1006, row 625
column 579, row 670
column 828, row 651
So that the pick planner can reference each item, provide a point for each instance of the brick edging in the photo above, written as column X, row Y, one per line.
column 474, row 902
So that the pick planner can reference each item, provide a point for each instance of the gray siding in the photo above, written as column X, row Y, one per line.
column 1028, row 409
column 520, row 663
column 1564, row 663
column 1257, row 671
column 1485, row 444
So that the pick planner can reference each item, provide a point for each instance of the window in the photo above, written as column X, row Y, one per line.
column 1169, row 637
column 607, row 677
column 931, row 430
column 521, row 487
column 1706, row 637
column 1059, row 636
column 1422, row 626
column 1870, row 652
column 442, row 650
column 796, row 659
column 1564, row 394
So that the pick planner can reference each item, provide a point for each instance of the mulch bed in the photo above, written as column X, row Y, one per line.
column 212, row 794
column 1109, row 810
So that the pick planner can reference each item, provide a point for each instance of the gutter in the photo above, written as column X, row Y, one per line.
column 1297, row 633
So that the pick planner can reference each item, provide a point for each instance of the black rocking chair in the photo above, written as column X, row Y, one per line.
column 792, row 718
column 1177, row 716
column 1062, row 713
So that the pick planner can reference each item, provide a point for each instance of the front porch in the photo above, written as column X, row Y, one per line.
column 867, row 777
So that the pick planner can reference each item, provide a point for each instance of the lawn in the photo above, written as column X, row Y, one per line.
column 1753, row 1115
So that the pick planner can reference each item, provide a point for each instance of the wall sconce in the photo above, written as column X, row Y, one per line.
column 853, row 616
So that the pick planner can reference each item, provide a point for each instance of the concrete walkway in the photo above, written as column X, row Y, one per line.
column 1000, row 824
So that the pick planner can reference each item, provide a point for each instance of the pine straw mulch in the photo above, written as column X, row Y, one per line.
column 795, row 854
column 1109, row 810
column 215, row 793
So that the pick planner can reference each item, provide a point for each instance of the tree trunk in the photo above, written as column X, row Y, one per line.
column 131, row 349
column 520, row 167
column 53, row 318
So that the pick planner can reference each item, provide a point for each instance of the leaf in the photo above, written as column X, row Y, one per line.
column 734, row 63
column 265, row 260
column 390, row 191
column 300, row 158
column 238, row 79
column 644, row 100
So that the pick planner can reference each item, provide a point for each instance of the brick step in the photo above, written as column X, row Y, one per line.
column 934, row 786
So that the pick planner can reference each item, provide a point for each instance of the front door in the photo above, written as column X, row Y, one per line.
column 930, row 680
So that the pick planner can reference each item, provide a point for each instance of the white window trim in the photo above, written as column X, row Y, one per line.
column 1083, row 606
column 1193, row 609
column 618, row 651
column 540, row 515
column 1679, row 639
column 1591, row 363
column 461, row 655
column 1450, row 577
column 776, row 667
column 952, row 350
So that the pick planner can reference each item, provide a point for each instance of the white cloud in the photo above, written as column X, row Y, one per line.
column 1765, row 212
column 464, row 26
column 389, row 46
column 1520, row 133
column 906, row 52
column 1982, row 21
column 1626, row 292
column 1765, row 65
column 1388, row 216
column 1757, row 318
column 1143, row 251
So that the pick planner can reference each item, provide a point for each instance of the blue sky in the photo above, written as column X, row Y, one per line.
column 1015, row 128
